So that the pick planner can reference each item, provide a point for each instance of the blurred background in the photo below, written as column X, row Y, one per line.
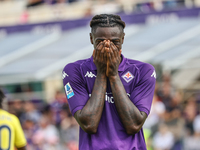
column 39, row 37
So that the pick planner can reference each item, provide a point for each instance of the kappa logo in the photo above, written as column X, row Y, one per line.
column 128, row 77
column 154, row 74
column 90, row 74
column 64, row 75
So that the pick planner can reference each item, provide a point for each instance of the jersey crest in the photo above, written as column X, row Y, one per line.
column 128, row 76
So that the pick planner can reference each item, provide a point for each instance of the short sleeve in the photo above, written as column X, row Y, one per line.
column 142, row 94
column 75, row 87
column 20, row 140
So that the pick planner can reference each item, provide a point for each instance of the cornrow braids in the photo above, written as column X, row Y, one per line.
column 2, row 96
column 106, row 20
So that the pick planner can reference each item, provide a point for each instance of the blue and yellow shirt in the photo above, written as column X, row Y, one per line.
column 11, row 133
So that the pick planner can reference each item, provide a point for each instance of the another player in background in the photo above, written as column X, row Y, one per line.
column 109, row 95
column 11, row 133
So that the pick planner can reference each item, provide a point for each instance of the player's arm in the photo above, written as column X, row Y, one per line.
column 20, row 140
column 89, row 117
column 21, row 148
column 131, row 117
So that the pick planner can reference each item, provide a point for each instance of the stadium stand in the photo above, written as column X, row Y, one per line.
column 40, row 54
column 17, row 12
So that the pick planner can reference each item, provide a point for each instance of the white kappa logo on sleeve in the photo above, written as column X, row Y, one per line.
column 154, row 74
column 64, row 75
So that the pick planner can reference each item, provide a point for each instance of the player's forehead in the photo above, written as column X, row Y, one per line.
column 108, row 32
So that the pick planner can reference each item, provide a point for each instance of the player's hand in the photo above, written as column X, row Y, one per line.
column 113, row 60
column 100, row 58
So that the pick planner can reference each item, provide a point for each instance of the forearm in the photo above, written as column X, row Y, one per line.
column 89, row 117
column 129, row 114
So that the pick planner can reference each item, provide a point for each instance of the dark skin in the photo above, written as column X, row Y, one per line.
column 89, row 117
column 107, row 43
column 22, row 148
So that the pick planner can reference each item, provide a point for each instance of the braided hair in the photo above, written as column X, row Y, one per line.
column 2, row 96
column 106, row 20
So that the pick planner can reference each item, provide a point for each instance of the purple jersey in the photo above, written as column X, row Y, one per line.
column 138, row 79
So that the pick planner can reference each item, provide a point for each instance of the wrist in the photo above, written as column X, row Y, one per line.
column 101, row 75
column 114, row 77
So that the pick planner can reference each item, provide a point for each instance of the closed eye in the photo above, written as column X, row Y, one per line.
column 116, row 42
column 98, row 41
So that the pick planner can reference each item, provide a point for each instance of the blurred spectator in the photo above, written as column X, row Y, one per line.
column 163, row 139
column 165, row 92
column 32, row 3
column 106, row 7
column 30, row 112
column 47, row 136
column 56, row 107
column 17, row 108
column 171, row 4
column 196, row 125
column 24, row 17
column 173, row 118
column 71, row 1
column 69, row 129
column 144, row 7
column 156, row 114
column 191, row 143
column 190, row 113
column 30, row 127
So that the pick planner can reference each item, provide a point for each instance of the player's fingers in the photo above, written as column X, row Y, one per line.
column 112, row 45
column 105, row 55
column 102, row 54
column 107, row 50
column 98, row 51
column 95, row 55
column 98, row 54
column 115, row 50
column 109, row 56
column 112, row 55
column 100, row 46
column 107, row 43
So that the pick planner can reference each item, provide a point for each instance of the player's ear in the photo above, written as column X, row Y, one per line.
column 91, row 38
column 123, row 37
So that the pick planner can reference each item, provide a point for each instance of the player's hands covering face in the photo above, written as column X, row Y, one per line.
column 100, row 58
column 113, row 59
column 107, row 58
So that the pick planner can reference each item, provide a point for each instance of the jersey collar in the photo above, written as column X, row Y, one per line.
column 121, row 65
